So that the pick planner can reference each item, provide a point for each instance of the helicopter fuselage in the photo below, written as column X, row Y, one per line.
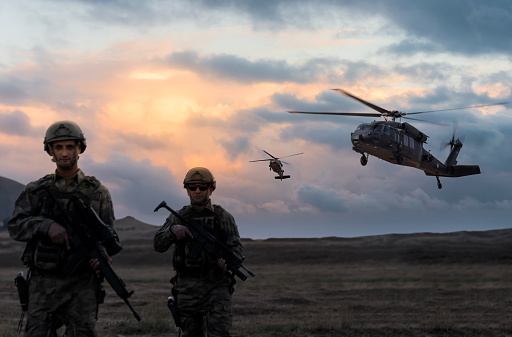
column 402, row 144
column 276, row 166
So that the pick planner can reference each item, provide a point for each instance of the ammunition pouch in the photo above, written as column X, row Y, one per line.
column 183, row 261
column 49, row 257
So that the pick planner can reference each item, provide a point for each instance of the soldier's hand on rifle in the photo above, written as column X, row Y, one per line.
column 95, row 263
column 222, row 264
column 59, row 234
column 181, row 232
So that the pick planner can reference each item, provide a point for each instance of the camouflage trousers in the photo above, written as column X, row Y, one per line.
column 204, row 306
column 56, row 300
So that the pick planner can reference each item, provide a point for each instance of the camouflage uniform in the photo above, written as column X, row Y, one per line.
column 202, row 290
column 56, row 299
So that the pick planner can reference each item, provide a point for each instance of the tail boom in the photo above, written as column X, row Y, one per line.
column 457, row 171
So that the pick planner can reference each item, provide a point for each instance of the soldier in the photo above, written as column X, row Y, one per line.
column 202, row 287
column 57, row 298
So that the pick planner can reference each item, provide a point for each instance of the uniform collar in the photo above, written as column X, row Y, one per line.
column 77, row 178
column 208, row 208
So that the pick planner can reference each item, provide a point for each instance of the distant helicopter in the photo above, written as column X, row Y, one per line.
column 401, row 143
column 276, row 165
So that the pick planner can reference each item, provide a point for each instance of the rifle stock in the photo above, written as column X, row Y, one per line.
column 205, row 240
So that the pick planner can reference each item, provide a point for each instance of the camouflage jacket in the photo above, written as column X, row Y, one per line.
column 28, row 222
column 216, row 220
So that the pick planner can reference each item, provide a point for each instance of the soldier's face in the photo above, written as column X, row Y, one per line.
column 199, row 192
column 65, row 151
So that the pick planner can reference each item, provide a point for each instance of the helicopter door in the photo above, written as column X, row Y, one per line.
column 377, row 133
column 409, row 145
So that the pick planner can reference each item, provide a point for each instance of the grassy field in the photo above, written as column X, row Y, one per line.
column 448, row 285
column 320, row 300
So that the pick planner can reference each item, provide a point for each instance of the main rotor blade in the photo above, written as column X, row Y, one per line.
column 269, row 154
column 467, row 107
column 252, row 161
column 422, row 120
column 338, row 113
column 291, row 155
column 373, row 106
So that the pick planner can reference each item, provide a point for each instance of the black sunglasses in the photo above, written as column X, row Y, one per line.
column 194, row 187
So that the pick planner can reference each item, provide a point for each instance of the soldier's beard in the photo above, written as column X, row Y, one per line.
column 66, row 165
column 200, row 202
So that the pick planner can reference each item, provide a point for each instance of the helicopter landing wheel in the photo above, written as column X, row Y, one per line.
column 364, row 160
column 399, row 159
column 439, row 185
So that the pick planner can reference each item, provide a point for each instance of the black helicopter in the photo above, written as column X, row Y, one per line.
column 276, row 165
column 401, row 143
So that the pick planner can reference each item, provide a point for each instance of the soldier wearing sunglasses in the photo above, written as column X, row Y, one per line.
column 202, row 287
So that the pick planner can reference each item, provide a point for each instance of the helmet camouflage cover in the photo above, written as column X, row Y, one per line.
column 64, row 130
column 199, row 175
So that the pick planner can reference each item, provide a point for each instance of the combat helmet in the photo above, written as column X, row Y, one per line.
column 64, row 130
column 199, row 175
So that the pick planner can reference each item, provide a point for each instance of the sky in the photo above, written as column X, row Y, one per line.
column 159, row 87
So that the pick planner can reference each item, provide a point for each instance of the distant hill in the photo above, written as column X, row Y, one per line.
column 9, row 192
column 467, row 247
column 463, row 247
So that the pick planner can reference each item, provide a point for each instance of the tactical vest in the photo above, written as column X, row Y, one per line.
column 41, row 253
column 183, row 263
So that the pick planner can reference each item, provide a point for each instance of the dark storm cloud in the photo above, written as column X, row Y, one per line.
column 462, row 26
column 18, row 123
column 323, row 200
column 467, row 27
column 241, row 70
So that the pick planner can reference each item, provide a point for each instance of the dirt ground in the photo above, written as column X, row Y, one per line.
column 398, row 285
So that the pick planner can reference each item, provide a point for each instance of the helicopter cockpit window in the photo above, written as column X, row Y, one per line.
column 387, row 130
column 364, row 127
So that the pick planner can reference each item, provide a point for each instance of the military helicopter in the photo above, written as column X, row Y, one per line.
column 401, row 143
column 276, row 165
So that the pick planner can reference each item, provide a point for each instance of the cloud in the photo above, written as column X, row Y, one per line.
column 239, row 69
column 137, row 187
column 18, row 123
column 236, row 146
column 466, row 27
column 322, row 199
column 12, row 90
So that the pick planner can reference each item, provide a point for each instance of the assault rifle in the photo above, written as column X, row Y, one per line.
column 86, row 246
column 212, row 245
